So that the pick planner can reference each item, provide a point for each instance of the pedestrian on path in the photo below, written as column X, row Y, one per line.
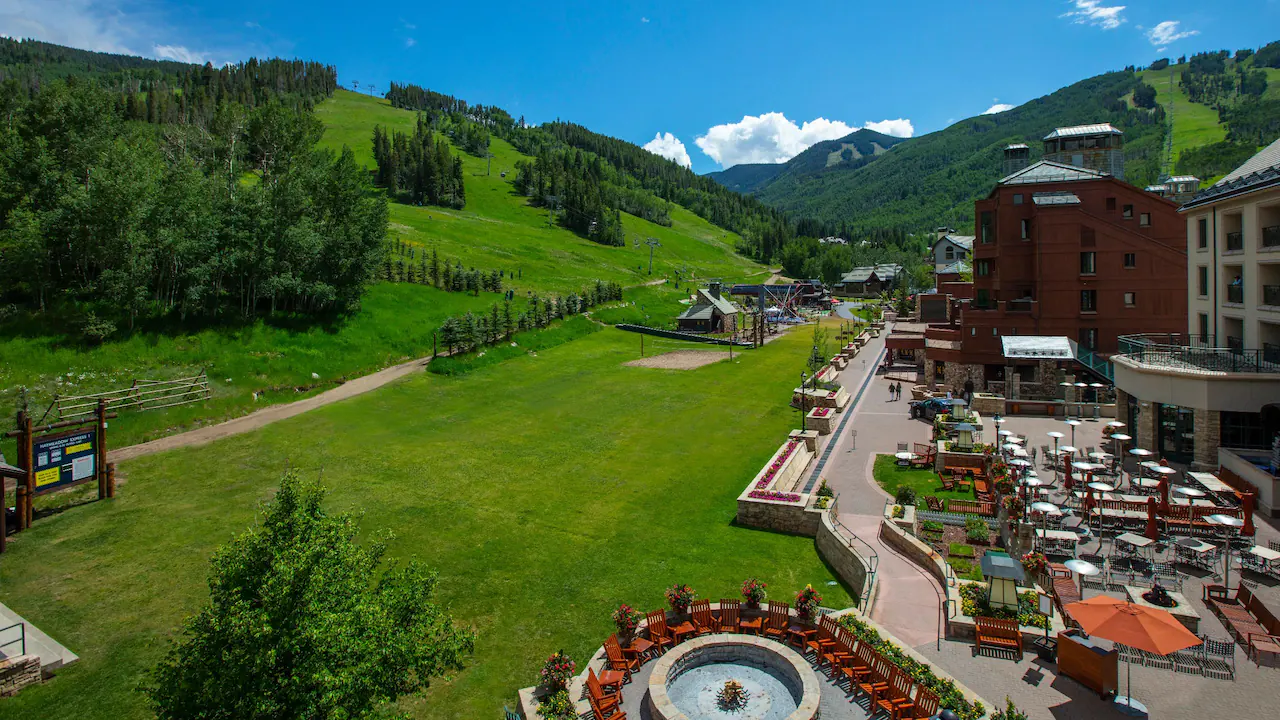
column 890, row 392
column 899, row 389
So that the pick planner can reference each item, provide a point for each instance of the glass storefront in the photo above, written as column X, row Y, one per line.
column 1176, row 433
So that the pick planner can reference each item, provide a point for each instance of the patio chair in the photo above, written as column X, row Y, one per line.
column 612, row 713
column 926, row 705
column 618, row 661
column 1089, row 450
column 933, row 503
column 659, row 635
column 728, row 620
column 897, row 697
column 599, row 695
column 777, row 621
column 508, row 714
column 855, row 666
column 703, row 622
column 877, row 681
column 948, row 480
column 1218, row 659
column 1274, row 545
column 1047, row 455
column 824, row 645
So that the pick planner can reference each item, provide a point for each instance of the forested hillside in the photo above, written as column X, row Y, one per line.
column 848, row 153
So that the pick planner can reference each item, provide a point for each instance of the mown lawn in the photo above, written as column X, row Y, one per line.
column 891, row 476
column 545, row 490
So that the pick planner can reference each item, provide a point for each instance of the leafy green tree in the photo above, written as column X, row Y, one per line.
column 304, row 622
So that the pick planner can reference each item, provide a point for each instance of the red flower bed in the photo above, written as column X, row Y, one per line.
column 777, row 464
column 772, row 495
column 821, row 412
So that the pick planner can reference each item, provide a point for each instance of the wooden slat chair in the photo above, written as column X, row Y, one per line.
column 599, row 695
column 877, row 681
column 618, row 660
column 948, row 479
column 610, row 713
column 729, row 619
column 926, row 705
column 933, row 503
column 854, row 667
column 825, row 646
column 897, row 697
column 659, row 635
column 703, row 622
column 777, row 621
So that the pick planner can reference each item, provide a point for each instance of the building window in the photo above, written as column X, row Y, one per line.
column 1203, row 238
column 950, row 253
column 1128, row 212
column 986, row 227
column 1088, row 263
column 1111, row 204
column 982, row 268
column 1088, row 301
column 1026, row 228
column 1144, row 219
column 1202, row 284
column 1017, row 199
column 1130, row 299
column 1245, row 430
column 1204, row 326
column 1131, row 260
column 982, row 299
column 1088, row 338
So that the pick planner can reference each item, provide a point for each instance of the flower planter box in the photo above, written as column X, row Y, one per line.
column 839, row 362
column 825, row 424
column 908, row 520
column 850, row 351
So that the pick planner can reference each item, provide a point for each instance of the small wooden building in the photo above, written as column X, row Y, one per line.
column 710, row 312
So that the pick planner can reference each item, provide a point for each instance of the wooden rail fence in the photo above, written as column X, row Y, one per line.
column 141, row 395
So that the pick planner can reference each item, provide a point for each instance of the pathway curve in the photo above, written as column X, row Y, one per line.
column 907, row 600
column 268, row 415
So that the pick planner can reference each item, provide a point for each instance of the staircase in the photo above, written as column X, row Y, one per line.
column 1093, row 362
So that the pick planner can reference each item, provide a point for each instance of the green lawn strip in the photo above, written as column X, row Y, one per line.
column 1193, row 124
column 961, row 550
column 891, row 476
column 545, row 490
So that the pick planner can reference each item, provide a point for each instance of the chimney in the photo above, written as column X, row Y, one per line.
column 942, row 232
column 714, row 289
column 1016, row 157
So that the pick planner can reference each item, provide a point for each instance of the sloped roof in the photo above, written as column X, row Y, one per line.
column 706, row 305
column 955, row 268
column 697, row 312
column 858, row 274
column 1036, row 347
column 1048, row 171
column 1258, row 172
column 1017, row 146
column 888, row 271
column 1183, row 178
column 1081, row 130
column 964, row 241
column 1055, row 198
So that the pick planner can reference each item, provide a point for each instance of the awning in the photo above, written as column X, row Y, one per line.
column 904, row 342
column 1036, row 347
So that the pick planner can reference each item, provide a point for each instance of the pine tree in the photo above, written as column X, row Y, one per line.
column 495, row 323
column 507, row 321
column 446, row 278
column 435, row 268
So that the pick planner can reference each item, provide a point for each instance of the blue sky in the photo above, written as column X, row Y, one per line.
column 730, row 81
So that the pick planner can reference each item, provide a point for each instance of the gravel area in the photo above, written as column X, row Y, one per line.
column 681, row 359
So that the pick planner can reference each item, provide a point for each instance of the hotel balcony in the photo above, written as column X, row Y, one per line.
column 1195, row 371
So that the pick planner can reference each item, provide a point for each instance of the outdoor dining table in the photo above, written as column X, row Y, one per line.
column 1197, row 502
column 905, row 458
column 1211, row 483
column 1197, row 553
column 1262, row 559
column 1145, row 483
column 1138, row 542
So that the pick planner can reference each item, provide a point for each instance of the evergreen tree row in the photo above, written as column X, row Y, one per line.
column 420, row 168
column 414, row 267
column 130, row 221
column 471, row 331
column 572, row 188
column 166, row 92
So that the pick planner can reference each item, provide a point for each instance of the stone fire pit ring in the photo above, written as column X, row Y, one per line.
column 774, row 658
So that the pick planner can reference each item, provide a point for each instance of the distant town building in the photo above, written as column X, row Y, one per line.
column 1211, row 396
column 950, row 247
column 868, row 281
column 1016, row 157
column 1179, row 188
column 710, row 312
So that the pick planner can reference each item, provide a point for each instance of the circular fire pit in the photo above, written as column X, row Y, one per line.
column 1159, row 597
column 688, row 682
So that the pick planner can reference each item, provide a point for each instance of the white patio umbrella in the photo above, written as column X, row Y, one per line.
column 1228, row 522
column 1115, row 424
column 1055, row 434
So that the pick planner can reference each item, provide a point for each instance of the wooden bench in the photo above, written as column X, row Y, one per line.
column 998, row 634
column 1250, row 622
column 970, row 507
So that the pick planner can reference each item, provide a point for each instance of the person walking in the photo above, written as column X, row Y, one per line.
column 890, row 392
column 899, row 389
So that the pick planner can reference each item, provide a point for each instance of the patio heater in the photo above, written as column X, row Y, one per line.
column 1073, row 423
column 1045, row 509
column 1120, row 439
column 1002, row 574
column 1056, row 437
column 1228, row 522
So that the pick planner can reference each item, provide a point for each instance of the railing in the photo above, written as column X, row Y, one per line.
column 1271, row 236
column 1194, row 352
column 1235, row 294
column 1096, row 364
column 1271, row 294
column 870, row 559
column 1235, row 241
column 22, row 637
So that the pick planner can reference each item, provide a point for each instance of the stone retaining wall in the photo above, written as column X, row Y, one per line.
column 17, row 673
column 847, row 564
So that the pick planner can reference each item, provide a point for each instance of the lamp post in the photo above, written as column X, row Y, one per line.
column 803, row 376
column 1227, row 522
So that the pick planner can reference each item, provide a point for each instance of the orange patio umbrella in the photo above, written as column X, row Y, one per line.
column 1150, row 629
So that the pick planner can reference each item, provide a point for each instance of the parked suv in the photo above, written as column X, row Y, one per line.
column 929, row 408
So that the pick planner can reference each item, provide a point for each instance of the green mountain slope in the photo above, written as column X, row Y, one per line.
column 498, row 229
column 934, row 179
column 748, row 177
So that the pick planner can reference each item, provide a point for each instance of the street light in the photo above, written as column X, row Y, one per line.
column 803, row 377
column 1227, row 522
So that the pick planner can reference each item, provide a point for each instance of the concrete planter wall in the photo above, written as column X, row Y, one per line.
column 824, row 425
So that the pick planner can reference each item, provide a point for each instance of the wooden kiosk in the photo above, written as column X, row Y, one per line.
column 1085, row 661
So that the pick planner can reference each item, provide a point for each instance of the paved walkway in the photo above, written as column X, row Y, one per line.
column 907, row 600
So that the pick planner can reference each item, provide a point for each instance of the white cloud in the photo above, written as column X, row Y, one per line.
column 669, row 147
column 901, row 127
column 772, row 138
column 178, row 53
column 101, row 25
column 410, row 42
column 644, row 20
column 1167, row 32
column 1093, row 12
column 997, row 108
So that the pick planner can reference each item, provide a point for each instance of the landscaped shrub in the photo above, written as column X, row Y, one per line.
column 753, row 591
column 1034, row 563
column 973, row 602
column 949, row 696
column 556, row 671
column 680, row 597
column 931, row 526
column 1010, row 712
column 976, row 530
column 824, row 491
column 899, row 512
column 906, row 495
column 557, row 706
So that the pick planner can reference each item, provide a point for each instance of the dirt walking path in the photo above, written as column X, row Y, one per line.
column 268, row 415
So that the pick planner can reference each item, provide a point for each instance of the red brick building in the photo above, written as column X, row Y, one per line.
column 1066, row 251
